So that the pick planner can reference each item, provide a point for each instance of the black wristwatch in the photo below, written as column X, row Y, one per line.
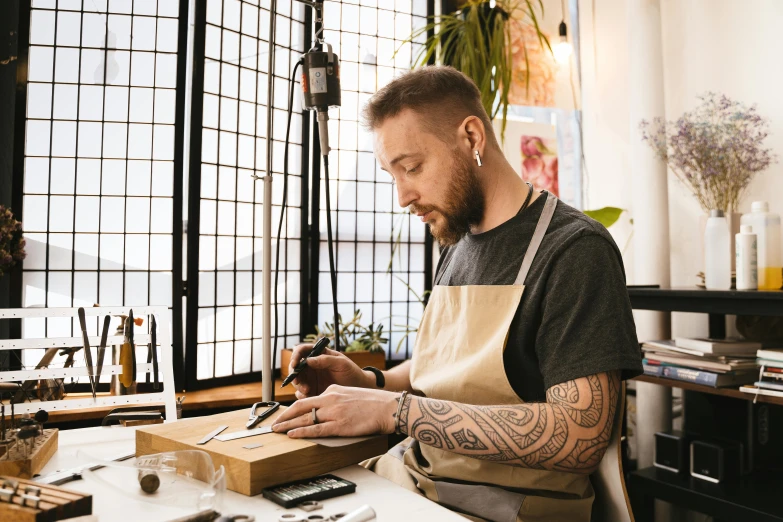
column 380, row 380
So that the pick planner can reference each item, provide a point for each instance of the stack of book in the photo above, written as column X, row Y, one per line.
column 711, row 362
column 770, row 378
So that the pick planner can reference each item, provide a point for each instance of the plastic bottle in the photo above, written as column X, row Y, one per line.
column 766, row 225
column 746, row 259
column 717, row 260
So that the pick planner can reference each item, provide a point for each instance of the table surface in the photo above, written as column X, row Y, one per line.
column 390, row 502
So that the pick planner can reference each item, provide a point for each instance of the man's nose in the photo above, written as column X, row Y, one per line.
column 406, row 196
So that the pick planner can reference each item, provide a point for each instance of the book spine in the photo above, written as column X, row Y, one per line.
column 653, row 370
column 688, row 375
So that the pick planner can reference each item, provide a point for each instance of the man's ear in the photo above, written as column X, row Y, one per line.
column 473, row 134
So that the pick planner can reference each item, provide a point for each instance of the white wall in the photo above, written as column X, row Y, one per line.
column 720, row 45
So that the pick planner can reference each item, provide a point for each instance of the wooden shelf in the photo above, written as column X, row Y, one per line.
column 694, row 299
column 235, row 396
column 725, row 392
column 755, row 497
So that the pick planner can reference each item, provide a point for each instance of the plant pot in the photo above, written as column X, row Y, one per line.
column 733, row 218
column 362, row 359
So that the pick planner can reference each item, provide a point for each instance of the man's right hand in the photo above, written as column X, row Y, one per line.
column 331, row 367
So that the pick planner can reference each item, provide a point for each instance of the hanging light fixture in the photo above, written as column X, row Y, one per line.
column 562, row 49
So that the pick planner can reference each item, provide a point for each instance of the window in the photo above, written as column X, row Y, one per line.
column 99, row 158
column 380, row 251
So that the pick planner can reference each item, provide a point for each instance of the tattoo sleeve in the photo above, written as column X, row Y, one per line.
column 569, row 432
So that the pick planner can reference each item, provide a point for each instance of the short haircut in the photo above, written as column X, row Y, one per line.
column 442, row 95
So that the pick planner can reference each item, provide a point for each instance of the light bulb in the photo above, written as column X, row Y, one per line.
column 562, row 49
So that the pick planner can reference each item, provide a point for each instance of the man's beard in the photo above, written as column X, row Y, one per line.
column 464, row 207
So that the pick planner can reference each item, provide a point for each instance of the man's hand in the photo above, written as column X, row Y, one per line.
column 331, row 367
column 341, row 412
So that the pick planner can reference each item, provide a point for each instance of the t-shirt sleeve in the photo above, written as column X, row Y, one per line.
column 587, row 325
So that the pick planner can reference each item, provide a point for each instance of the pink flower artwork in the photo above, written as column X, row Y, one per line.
column 539, row 163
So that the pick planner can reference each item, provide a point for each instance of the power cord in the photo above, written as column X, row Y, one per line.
column 332, row 272
column 283, row 207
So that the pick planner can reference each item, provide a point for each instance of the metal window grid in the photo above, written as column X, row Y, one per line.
column 382, row 256
column 100, row 168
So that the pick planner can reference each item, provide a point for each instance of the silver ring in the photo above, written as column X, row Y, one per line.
column 315, row 417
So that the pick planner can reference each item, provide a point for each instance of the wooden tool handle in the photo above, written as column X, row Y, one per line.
column 126, row 360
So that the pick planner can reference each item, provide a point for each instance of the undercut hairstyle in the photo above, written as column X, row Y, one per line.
column 442, row 96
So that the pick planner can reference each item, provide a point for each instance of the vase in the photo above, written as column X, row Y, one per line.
column 733, row 218
column 362, row 359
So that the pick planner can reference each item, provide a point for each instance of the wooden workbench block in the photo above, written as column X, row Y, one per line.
column 24, row 464
column 280, row 459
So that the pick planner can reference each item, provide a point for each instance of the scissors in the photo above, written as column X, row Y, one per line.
column 255, row 417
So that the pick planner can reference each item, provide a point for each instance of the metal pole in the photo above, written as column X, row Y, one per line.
column 268, row 381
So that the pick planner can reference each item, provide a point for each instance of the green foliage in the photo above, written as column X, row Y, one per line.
column 354, row 337
column 607, row 216
column 475, row 40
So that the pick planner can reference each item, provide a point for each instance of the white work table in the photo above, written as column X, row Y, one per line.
column 390, row 502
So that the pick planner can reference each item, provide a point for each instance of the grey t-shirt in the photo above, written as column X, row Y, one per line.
column 575, row 316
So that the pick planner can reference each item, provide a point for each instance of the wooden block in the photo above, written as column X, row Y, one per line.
column 56, row 504
column 281, row 459
column 16, row 463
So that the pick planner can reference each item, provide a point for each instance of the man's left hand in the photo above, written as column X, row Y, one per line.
column 341, row 412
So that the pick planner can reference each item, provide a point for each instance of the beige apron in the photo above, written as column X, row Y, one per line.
column 459, row 357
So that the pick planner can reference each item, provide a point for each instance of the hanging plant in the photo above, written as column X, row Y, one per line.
column 476, row 40
column 11, row 240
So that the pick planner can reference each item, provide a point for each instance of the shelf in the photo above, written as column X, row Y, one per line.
column 693, row 299
column 235, row 396
column 755, row 497
column 725, row 392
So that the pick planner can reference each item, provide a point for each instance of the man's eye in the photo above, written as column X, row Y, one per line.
column 414, row 170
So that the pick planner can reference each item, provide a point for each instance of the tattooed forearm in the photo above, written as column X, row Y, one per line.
column 569, row 432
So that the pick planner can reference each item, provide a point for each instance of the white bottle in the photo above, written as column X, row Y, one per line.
column 766, row 225
column 746, row 259
column 717, row 260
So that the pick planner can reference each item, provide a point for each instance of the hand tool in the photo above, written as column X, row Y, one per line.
column 132, row 345
column 2, row 419
column 212, row 434
column 126, row 377
column 263, row 430
column 67, row 475
column 256, row 417
column 154, row 350
column 87, row 351
column 317, row 350
column 253, row 446
column 102, row 348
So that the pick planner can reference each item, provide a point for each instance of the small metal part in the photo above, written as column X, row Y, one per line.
column 149, row 481
column 236, row 518
column 8, row 489
column 316, row 517
column 244, row 433
column 310, row 505
column 337, row 516
column 253, row 446
column 212, row 434
column 290, row 517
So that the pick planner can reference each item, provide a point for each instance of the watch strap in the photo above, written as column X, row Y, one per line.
column 380, row 380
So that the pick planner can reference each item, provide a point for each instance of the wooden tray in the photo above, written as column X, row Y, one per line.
column 279, row 460
column 56, row 504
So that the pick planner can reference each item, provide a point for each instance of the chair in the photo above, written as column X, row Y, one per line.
column 611, row 498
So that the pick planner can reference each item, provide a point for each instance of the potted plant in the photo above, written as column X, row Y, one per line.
column 714, row 150
column 364, row 345
column 479, row 40
column 11, row 240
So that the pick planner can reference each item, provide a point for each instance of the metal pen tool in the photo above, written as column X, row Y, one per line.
column 317, row 350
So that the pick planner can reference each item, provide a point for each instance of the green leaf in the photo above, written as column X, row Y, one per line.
column 607, row 216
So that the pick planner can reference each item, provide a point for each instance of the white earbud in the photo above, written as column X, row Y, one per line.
column 478, row 157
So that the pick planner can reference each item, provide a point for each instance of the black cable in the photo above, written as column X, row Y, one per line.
column 283, row 206
column 332, row 272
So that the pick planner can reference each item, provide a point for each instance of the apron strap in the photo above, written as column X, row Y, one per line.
column 538, row 236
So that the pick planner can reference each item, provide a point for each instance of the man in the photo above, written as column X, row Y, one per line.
column 510, row 398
